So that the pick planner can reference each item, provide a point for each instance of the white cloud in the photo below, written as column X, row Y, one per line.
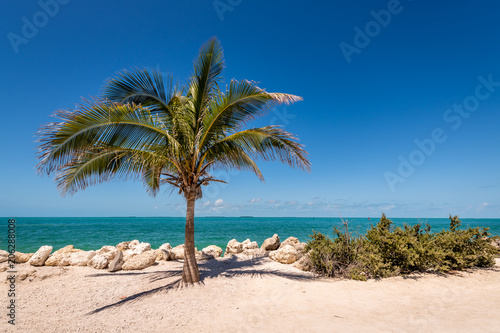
column 388, row 207
column 482, row 206
column 255, row 200
column 219, row 202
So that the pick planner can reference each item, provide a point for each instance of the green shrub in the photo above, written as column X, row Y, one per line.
column 387, row 251
column 395, row 251
column 338, row 257
column 462, row 249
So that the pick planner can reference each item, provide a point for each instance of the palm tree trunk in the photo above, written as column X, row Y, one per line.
column 190, row 272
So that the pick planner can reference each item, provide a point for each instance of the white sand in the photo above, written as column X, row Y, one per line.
column 242, row 295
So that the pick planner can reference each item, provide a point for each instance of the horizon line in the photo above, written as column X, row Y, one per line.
column 220, row 216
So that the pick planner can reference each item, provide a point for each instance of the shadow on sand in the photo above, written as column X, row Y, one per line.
column 454, row 273
column 233, row 266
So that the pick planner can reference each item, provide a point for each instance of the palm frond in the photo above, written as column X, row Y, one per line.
column 268, row 143
column 207, row 70
column 100, row 123
column 241, row 103
column 141, row 86
column 227, row 155
column 285, row 98
column 102, row 164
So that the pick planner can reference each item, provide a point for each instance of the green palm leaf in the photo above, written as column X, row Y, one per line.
column 100, row 123
column 140, row 86
column 207, row 70
column 229, row 155
column 241, row 103
column 268, row 143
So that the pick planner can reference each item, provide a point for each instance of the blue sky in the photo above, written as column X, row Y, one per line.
column 376, row 77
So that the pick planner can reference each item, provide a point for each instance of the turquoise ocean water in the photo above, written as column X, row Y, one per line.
column 91, row 233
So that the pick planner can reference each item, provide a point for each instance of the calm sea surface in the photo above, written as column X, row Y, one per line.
column 91, row 233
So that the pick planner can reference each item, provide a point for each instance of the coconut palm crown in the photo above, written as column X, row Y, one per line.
column 146, row 127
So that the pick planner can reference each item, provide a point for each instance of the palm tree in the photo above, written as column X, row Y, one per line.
column 145, row 127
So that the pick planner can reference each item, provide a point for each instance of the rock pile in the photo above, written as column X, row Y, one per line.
column 61, row 255
column 212, row 250
column 289, row 252
column 271, row 244
column 140, row 261
column 134, row 255
column 21, row 258
column 40, row 256
column 117, row 263
column 4, row 256
column 164, row 252
column 246, row 247
column 103, row 257
column 285, row 255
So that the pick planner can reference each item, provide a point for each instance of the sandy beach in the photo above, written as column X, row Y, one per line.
column 240, row 294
